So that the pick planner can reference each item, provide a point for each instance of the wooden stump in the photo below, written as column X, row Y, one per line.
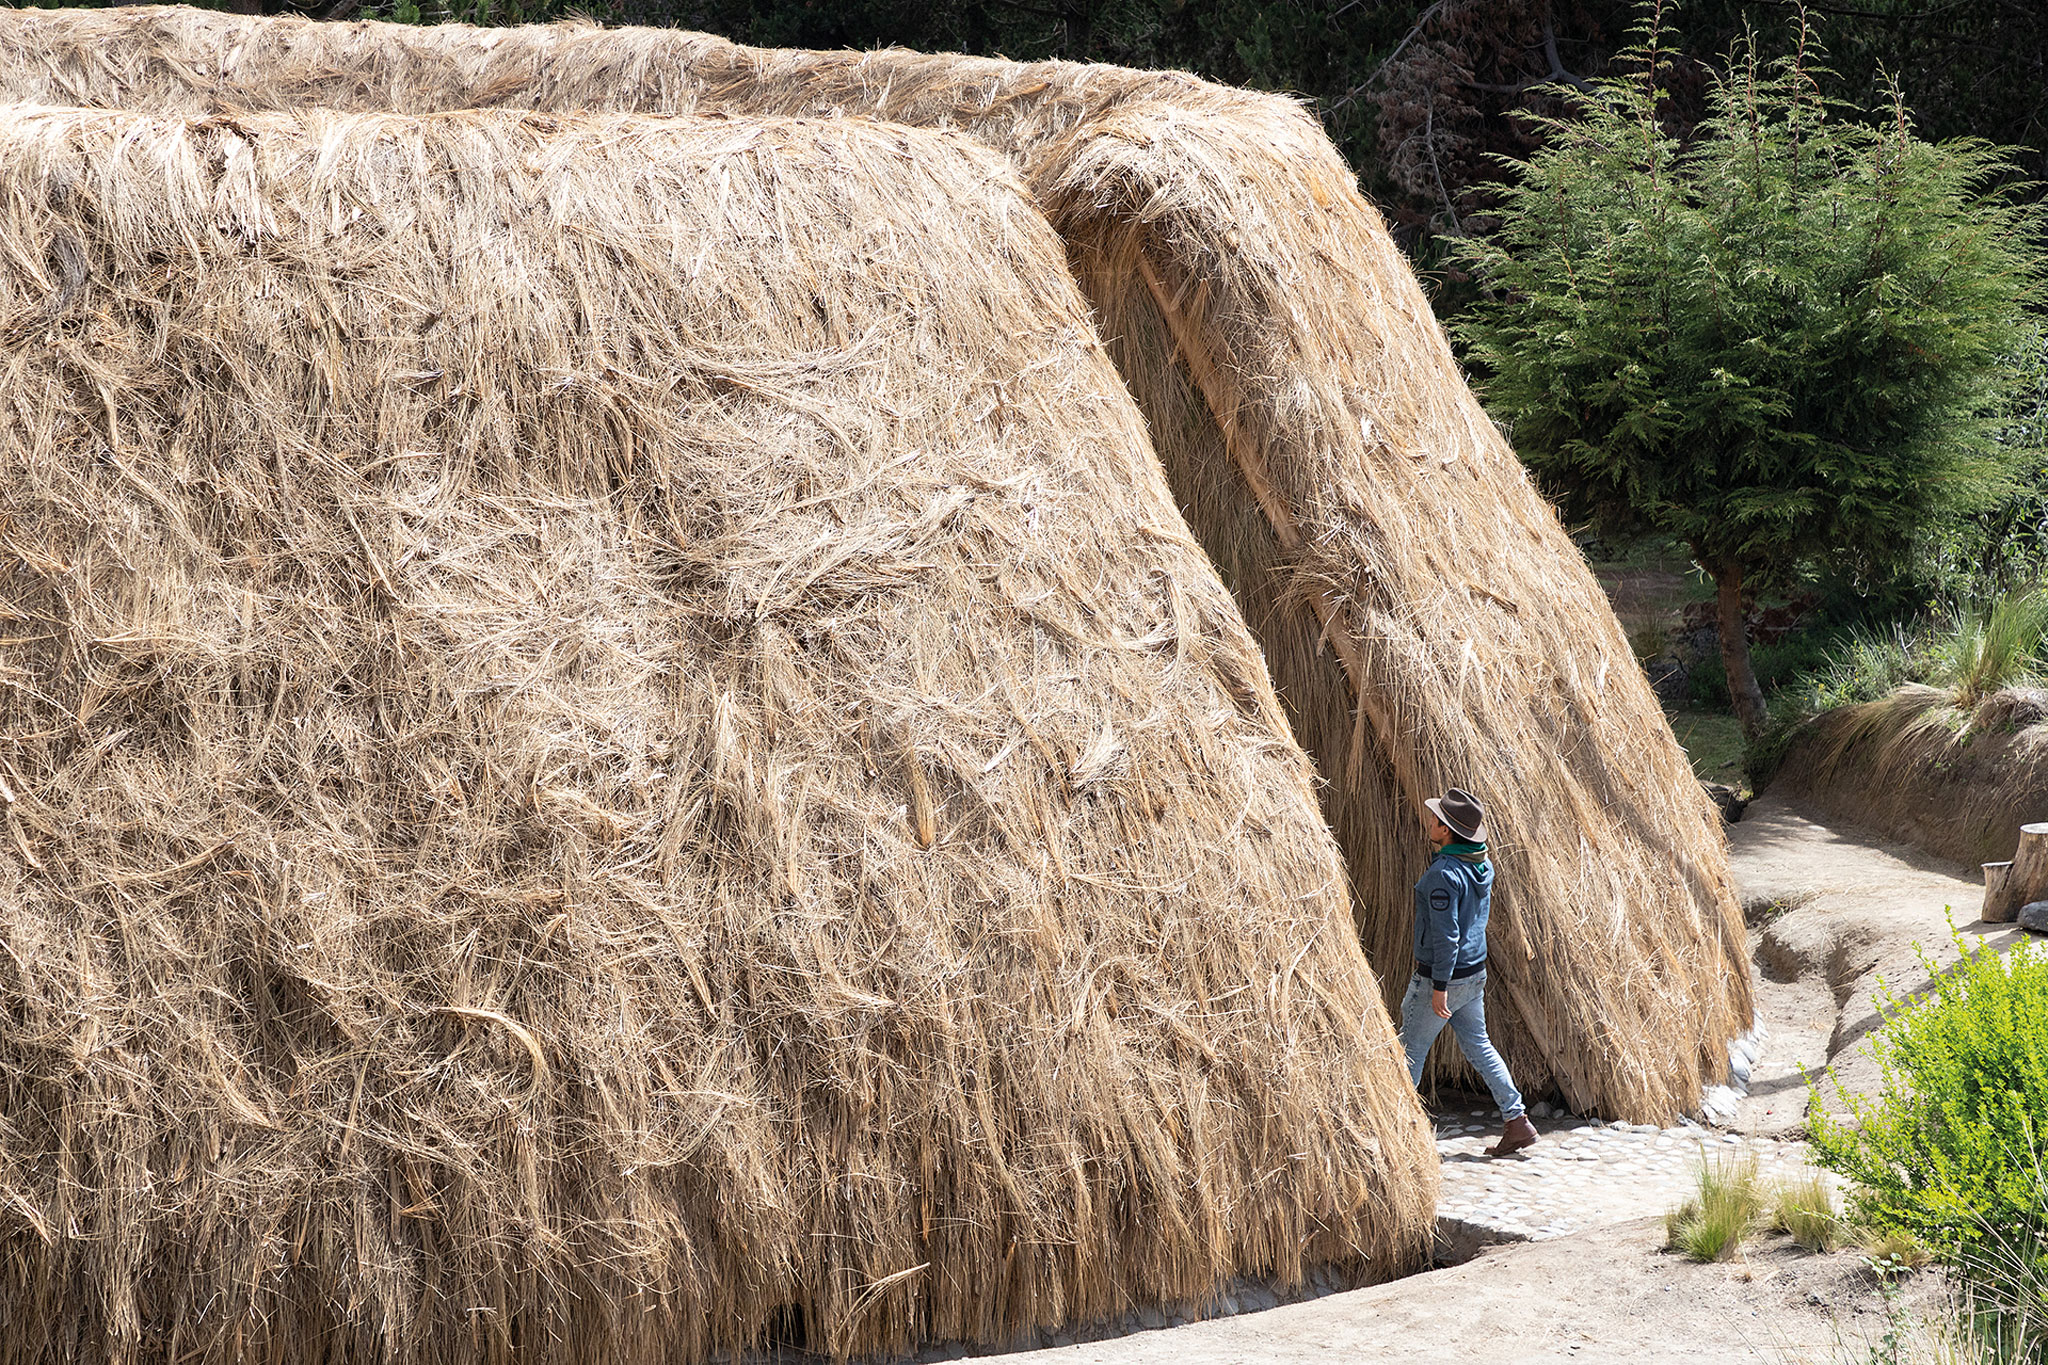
column 2025, row 878
column 1994, row 885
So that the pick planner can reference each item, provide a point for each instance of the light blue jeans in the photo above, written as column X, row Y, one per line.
column 1467, row 1002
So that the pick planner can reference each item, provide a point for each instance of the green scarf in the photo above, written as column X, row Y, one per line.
column 1471, row 853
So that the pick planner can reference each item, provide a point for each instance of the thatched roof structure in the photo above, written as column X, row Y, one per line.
column 1424, row 615
column 603, row 762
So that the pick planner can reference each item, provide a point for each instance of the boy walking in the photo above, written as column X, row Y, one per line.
column 1451, row 905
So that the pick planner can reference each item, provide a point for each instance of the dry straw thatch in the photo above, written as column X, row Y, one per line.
column 1913, row 765
column 602, row 763
column 1424, row 615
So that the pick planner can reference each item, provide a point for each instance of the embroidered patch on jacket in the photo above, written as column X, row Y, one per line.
column 1439, row 899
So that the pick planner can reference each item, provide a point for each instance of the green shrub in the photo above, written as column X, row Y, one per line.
column 1973, row 650
column 1950, row 1150
column 1862, row 666
column 1783, row 662
column 2007, row 545
column 1707, row 683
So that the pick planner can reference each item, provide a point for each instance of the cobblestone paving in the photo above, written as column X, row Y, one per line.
column 1582, row 1174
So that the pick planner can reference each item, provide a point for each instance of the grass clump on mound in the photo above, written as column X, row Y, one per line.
column 1996, row 645
column 1970, row 651
column 1807, row 1210
column 1732, row 1202
column 1933, row 734
column 616, row 752
column 1712, row 1224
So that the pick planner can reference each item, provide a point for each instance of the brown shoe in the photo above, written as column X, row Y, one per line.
column 1518, row 1134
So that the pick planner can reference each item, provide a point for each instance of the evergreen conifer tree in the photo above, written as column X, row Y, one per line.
column 1784, row 344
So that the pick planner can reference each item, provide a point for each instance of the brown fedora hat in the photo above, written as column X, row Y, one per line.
column 1461, row 811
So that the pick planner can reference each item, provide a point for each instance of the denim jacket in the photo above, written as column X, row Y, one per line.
column 1451, row 904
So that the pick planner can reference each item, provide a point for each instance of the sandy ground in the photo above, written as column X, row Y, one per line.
column 1609, row 1296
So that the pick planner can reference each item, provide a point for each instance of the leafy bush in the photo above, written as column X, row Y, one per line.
column 1778, row 664
column 1949, row 1152
column 1863, row 666
column 1998, row 550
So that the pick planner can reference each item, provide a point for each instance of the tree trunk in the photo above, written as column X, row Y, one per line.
column 1743, row 691
column 1077, row 29
column 2025, row 879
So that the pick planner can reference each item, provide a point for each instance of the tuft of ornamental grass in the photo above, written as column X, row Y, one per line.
column 1733, row 1202
column 1891, row 1250
column 2001, row 1313
column 1807, row 1209
column 1710, row 1226
column 1997, row 644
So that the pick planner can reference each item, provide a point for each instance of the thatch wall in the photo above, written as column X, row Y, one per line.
column 614, row 748
column 1425, row 617
column 1915, row 767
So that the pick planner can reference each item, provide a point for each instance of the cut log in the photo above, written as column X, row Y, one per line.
column 2025, row 881
column 1994, row 885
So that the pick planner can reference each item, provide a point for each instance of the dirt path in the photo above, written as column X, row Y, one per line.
column 1839, row 914
column 1834, row 912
